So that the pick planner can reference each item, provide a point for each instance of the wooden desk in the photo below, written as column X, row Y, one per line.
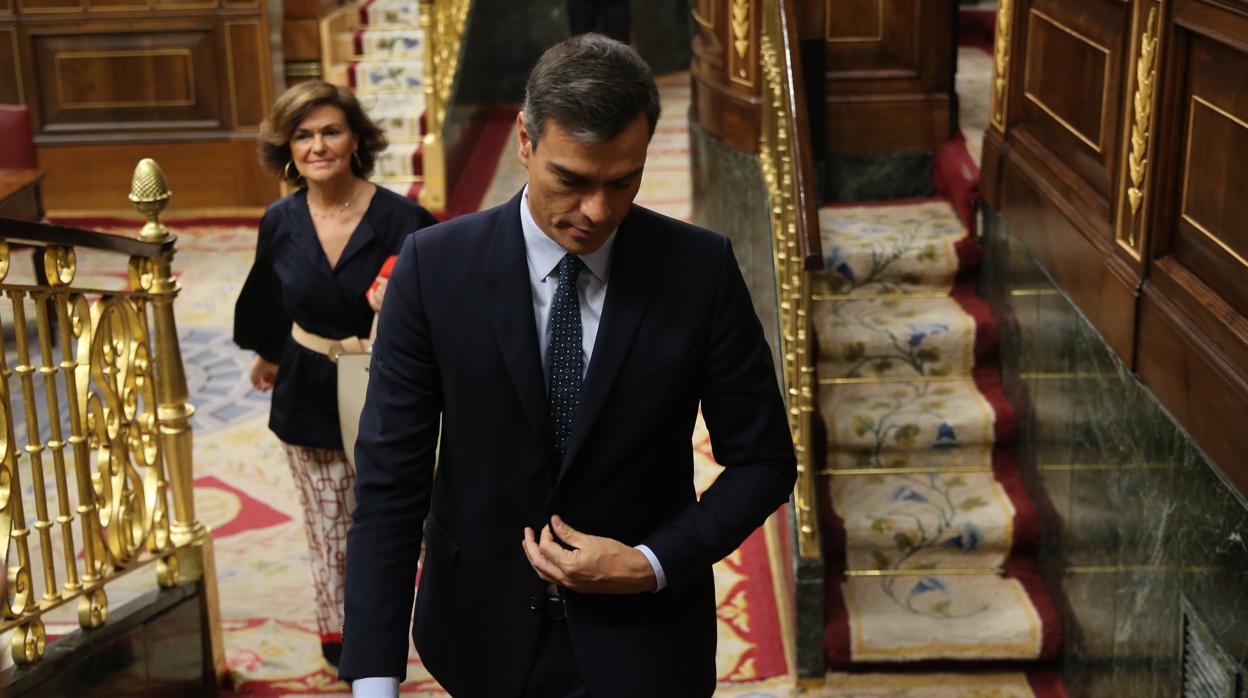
column 19, row 194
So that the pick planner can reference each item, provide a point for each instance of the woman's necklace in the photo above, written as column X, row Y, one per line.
column 332, row 211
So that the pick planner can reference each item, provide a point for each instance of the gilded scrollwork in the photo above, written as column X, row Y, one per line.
column 128, row 428
column 123, row 429
column 93, row 608
column 60, row 264
column 29, row 642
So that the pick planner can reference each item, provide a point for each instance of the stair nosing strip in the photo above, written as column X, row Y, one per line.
column 831, row 297
column 903, row 471
column 943, row 571
column 895, row 379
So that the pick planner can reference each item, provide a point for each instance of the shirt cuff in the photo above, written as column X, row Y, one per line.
column 654, row 562
column 375, row 687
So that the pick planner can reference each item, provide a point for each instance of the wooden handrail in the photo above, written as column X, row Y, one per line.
column 805, row 190
column 45, row 235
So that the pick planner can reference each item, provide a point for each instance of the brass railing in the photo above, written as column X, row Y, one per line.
column 443, row 23
column 784, row 153
column 105, row 448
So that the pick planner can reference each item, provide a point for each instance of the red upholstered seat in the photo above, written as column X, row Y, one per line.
column 17, row 145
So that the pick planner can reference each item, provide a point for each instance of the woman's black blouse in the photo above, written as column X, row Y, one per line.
column 291, row 280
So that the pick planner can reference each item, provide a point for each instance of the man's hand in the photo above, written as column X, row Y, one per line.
column 592, row 565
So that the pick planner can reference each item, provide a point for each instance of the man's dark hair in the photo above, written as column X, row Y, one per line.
column 592, row 86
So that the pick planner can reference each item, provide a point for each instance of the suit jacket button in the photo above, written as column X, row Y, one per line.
column 533, row 604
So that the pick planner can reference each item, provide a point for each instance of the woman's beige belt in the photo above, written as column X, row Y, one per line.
column 333, row 348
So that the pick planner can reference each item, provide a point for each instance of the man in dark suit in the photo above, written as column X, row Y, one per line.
column 565, row 340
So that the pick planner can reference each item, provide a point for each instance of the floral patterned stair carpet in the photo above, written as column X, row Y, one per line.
column 387, row 77
column 929, row 532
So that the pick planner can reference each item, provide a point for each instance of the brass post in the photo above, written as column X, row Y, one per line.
column 433, row 160
column 193, row 539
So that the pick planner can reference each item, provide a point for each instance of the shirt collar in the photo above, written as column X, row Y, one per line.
column 544, row 253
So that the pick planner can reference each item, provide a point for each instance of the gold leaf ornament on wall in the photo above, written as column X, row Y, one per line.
column 1145, row 75
column 741, row 30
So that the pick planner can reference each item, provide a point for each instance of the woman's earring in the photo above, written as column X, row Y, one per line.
column 286, row 171
column 358, row 162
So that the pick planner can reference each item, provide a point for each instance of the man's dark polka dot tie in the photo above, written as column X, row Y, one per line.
column 564, row 355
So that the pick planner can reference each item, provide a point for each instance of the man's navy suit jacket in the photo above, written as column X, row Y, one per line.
column 458, row 341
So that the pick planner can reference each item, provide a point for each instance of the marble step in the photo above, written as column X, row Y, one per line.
column 946, row 684
column 398, row 160
column 400, row 113
column 390, row 13
column 940, row 617
column 388, row 43
column 902, row 336
column 931, row 424
column 386, row 75
column 933, row 521
column 906, row 248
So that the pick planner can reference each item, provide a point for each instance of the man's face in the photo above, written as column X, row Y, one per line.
column 579, row 192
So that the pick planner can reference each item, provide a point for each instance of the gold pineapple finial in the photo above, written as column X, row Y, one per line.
column 150, row 195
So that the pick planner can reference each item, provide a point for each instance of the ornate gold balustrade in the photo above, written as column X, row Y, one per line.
column 784, row 153
column 443, row 22
column 95, row 435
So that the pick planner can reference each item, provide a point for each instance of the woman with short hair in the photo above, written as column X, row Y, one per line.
column 319, row 251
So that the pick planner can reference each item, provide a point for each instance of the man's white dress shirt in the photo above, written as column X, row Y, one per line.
column 543, row 255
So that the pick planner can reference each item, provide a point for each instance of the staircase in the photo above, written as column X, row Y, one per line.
column 929, row 535
column 400, row 57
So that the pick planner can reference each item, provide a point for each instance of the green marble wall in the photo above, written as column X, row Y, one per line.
column 874, row 177
column 1134, row 518
column 730, row 197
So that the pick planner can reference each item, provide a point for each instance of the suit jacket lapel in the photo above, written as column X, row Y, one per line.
column 629, row 290
column 506, row 275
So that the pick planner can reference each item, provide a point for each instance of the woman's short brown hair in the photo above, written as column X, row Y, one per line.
column 295, row 104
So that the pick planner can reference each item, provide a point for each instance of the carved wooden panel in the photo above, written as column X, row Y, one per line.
column 11, row 91
column 1193, row 341
column 874, row 37
column 6, row 7
column 119, row 80
column 31, row 7
column 888, row 74
column 725, row 71
column 1062, row 114
column 809, row 15
column 856, row 21
column 1067, row 77
column 185, row 4
column 1211, row 237
column 1068, row 72
column 247, row 64
column 116, row 5
column 1200, row 247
